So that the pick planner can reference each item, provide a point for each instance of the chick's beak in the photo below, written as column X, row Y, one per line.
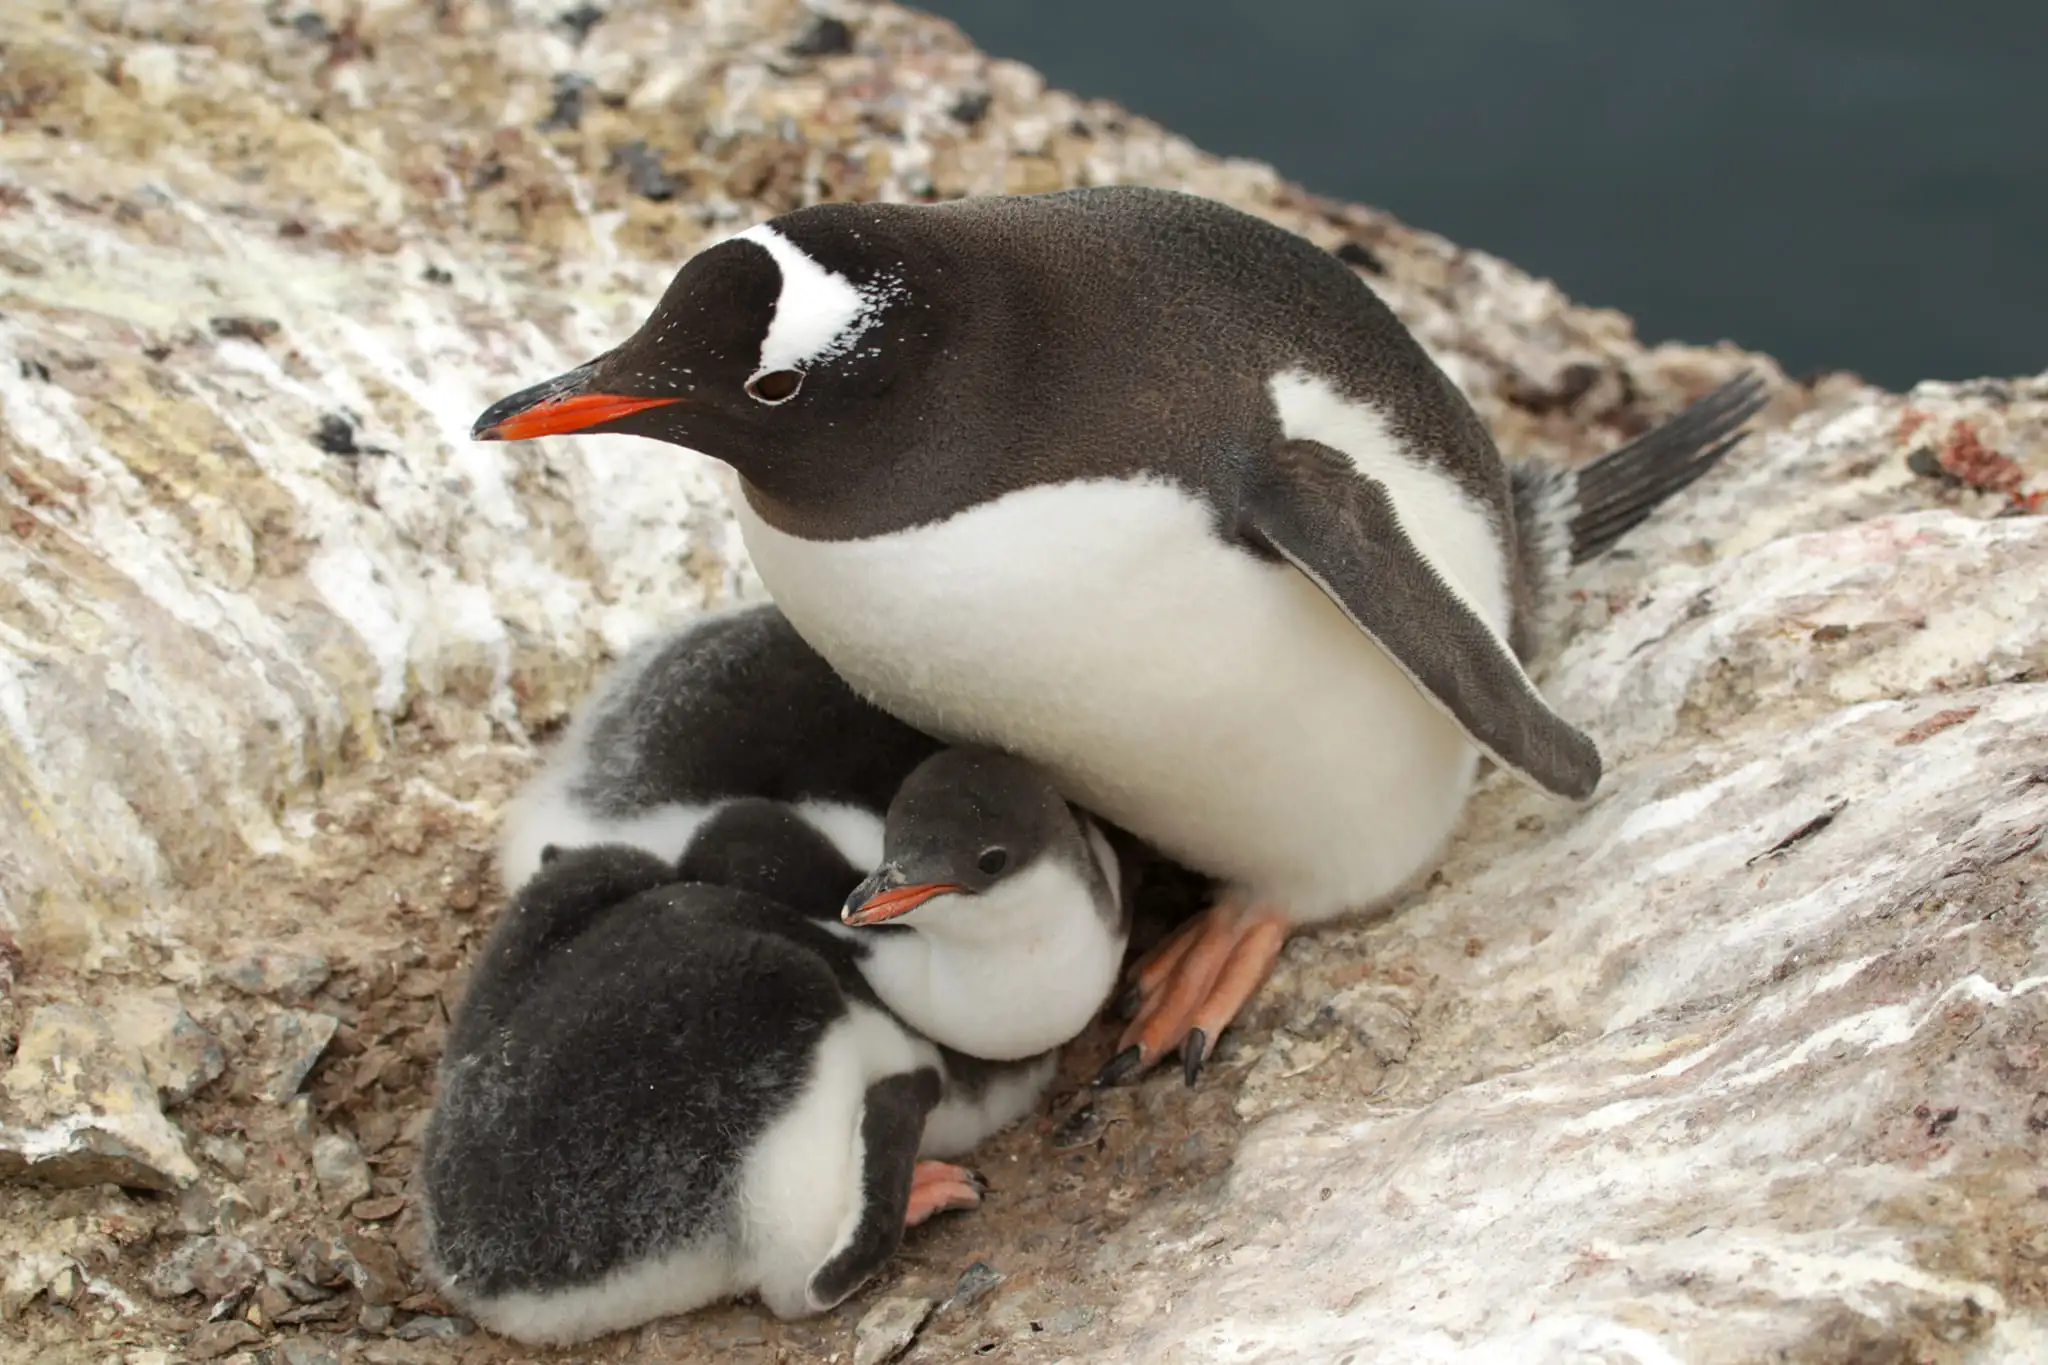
column 886, row 896
column 564, row 404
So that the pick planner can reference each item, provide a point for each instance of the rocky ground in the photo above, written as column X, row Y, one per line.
column 1743, row 1061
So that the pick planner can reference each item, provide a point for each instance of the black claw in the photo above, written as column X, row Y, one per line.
column 1193, row 1053
column 977, row 1179
column 1121, row 1067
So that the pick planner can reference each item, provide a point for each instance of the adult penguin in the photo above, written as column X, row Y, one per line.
column 1157, row 495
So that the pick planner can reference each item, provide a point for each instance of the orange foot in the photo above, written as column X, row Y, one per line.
column 1190, row 987
column 938, row 1186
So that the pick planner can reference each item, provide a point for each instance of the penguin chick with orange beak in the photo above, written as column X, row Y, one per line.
column 1000, row 909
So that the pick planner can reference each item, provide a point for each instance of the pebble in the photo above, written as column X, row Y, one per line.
column 216, row 1339
column 292, row 1042
column 644, row 173
column 298, row 1114
column 339, row 1166
column 299, row 1351
column 974, row 1284
column 287, row 975
column 327, row 1310
column 213, row 1266
column 375, row 1317
column 226, row 1153
column 374, row 1268
column 87, row 1110
column 1079, row 1128
column 319, row 1264
column 297, row 1288
column 377, row 1210
column 826, row 37
column 67, row 1286
column 196, row 1209
column 272, row 1301
column 434, row 1329
column 178, row 1055
column 886, row 1330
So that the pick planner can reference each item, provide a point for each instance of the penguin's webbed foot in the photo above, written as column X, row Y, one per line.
column 1191, row 986
column 940, row 1187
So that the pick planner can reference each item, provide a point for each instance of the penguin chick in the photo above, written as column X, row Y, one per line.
column 1017, row 901
column 658, row 1094
column 773, row 849
column 731, row 704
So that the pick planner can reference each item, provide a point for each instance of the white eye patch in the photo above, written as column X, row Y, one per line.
column 819, row 313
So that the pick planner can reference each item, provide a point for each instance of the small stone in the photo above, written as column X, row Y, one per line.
column 886, row 1330
column 216, row 1339
column 299, row 1351
column 67, row 1286
column 179, row 1056
column 1079, row 1128
column 567, row 110
column 242, row 328
column 78, row 1108
column 826, row 37
column 213, row 1266
column 298, row 1113
column 234, row 1209
column 374, row 1132
column 272, row 1301
column 196, row 1207
column 337, row 436
column 1362, row 256
column 579, row 21
column 434, row 1329
column 974, row 1284
column 288, row 975
column 327, row 1310
column 293, row 1042
column 374, row 1268
column 375, row 1317
column 339, row 1166
column 972, row 107
column 318, row 1265
column 226, row 1153
column 299, row 1289
column 644, row 173
column 377, row 1210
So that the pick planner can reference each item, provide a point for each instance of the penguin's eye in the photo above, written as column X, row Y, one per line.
column 776, row 386
column 993, row 861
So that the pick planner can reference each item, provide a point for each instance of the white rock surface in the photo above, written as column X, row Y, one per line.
column 1685, row 1086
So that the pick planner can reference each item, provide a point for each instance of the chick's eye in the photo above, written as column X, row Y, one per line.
column 993, row 860
column 775, row 386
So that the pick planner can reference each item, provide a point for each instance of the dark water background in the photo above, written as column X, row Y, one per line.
column 1852, row 184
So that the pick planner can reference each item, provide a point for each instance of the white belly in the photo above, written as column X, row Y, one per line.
column 1216, row 705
